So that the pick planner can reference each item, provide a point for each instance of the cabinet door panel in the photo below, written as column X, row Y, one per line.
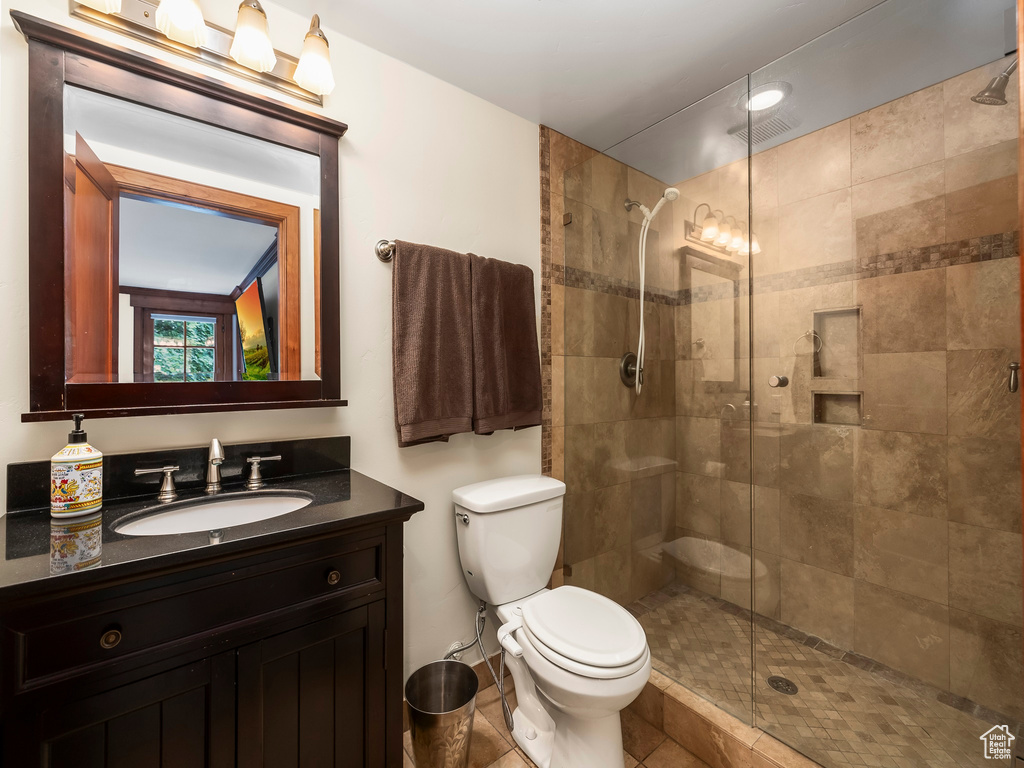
column 312, row 697
column 183, row 718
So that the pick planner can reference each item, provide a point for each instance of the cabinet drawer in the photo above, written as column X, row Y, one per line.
column 116, row 627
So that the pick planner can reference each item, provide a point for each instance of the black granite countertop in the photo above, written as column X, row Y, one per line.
column 340, row 500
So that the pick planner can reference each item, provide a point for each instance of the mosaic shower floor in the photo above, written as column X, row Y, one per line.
column 848, row 711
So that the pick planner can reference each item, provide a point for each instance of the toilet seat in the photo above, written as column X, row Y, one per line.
column 585, row 633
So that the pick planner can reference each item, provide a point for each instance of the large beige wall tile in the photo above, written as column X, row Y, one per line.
column 902, row 134
column 814, row 164
column 557, row 319
column 566, row 153
column 578, row 330
column 699, row 446
column 818, row 532
column 599, row 182
column 653, row 508
column 767, row 514
column 816, row 231
column 898, row 190
column 557, row 390
column 580, row 469
column 818, row 602
column 903, row 632
column 902, row 470
column 985, row 209
column 905, row 392
column 985, row 482
column 985, row 662
column 970, row 126
column 735, row 513
column 903, row 552
column 979, row 403
column 983, row 305
column 797, row 307
column 818, row 460
column 698, row 504
column 985, row 572
column 596, row 522
column 611, row 245
column 613, row 575
column 912, row 226
column 904, row 313
column 982, row 165
column 764, row 179
column 578, row 237
column 733, row 189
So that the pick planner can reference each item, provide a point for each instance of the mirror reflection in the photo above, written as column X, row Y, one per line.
column 192, row 252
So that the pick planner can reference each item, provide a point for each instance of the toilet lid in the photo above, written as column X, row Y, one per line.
column 585, row 627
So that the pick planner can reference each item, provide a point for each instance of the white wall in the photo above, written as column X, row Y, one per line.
column 422, row 161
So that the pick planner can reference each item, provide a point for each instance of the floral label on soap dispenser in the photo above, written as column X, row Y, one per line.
column 76, row 481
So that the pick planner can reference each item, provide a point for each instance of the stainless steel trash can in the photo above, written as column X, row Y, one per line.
column 442, row 701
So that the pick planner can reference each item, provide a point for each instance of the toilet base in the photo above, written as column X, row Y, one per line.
column 574, row 742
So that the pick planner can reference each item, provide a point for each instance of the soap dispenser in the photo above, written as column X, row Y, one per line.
column 76, row 476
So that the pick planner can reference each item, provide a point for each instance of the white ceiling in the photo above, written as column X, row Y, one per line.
column 895, row 48
column 107, row 120
column 596, row 70
column 178, row 248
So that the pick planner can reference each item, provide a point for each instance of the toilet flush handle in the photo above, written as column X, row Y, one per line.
column 507, row 641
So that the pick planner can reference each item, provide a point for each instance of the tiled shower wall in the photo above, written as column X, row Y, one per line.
column 898, row 538
column 895, row 530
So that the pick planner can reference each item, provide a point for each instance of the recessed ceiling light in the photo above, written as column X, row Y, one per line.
column 767, row 96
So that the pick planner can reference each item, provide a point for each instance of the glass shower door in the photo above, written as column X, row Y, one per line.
column 886, row 314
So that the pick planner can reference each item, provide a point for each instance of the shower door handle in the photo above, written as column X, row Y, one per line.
column 1014, row 382
column 778, row 381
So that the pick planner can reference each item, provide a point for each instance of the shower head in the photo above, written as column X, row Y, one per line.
column 671, row 194
column 995, row 94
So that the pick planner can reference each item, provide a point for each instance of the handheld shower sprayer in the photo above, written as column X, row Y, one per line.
column 633, row 372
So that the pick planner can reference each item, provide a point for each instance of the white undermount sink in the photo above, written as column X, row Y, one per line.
column 211, row 515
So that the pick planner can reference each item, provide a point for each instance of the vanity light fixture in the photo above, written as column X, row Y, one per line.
column 724, row 234
column 314, row 72
column 251, row 46
column 181, row 20
column 246, row 51
column 104, row 6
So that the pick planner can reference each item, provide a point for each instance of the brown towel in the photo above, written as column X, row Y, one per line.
column 506, row 359
column 432, row 341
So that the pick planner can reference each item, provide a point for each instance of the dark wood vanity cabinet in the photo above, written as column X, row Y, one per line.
column 279, row 657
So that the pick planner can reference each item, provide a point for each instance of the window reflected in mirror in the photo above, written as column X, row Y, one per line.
column 191, row 251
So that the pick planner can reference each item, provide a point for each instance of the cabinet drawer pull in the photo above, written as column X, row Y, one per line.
column 110, row 639
column 333, row 577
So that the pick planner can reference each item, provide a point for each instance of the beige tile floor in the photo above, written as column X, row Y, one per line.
column 843, row 716
column 492, row 745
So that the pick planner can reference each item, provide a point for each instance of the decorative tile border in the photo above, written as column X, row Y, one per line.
column 545, row 297
column 1004, row 245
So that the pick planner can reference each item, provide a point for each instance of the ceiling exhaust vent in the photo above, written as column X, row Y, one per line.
column 764, row 129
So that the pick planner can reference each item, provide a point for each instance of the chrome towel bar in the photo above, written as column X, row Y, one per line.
column 385, row 250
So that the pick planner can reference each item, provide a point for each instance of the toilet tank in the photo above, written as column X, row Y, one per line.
column 508, row 531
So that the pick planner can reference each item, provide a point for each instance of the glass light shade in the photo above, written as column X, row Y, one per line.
column 251, row 46
column 709, row 229
column 737, row 239
column 765, row 99
column 182, row 21
column 744, row 249
column 103, row 6
column 724, row 236
column 755, row 247
column 314, row 72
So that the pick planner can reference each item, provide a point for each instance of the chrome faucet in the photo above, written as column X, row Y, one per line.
column 216, row 458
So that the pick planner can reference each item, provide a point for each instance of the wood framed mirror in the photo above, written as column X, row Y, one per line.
column 183, row 239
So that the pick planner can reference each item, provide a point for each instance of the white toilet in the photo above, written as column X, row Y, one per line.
column 577, row 658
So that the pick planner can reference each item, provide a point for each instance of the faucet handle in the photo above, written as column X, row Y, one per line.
column 167, row 490
column 255, row 481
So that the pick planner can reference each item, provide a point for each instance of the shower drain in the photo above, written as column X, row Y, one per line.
column 782, row 685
